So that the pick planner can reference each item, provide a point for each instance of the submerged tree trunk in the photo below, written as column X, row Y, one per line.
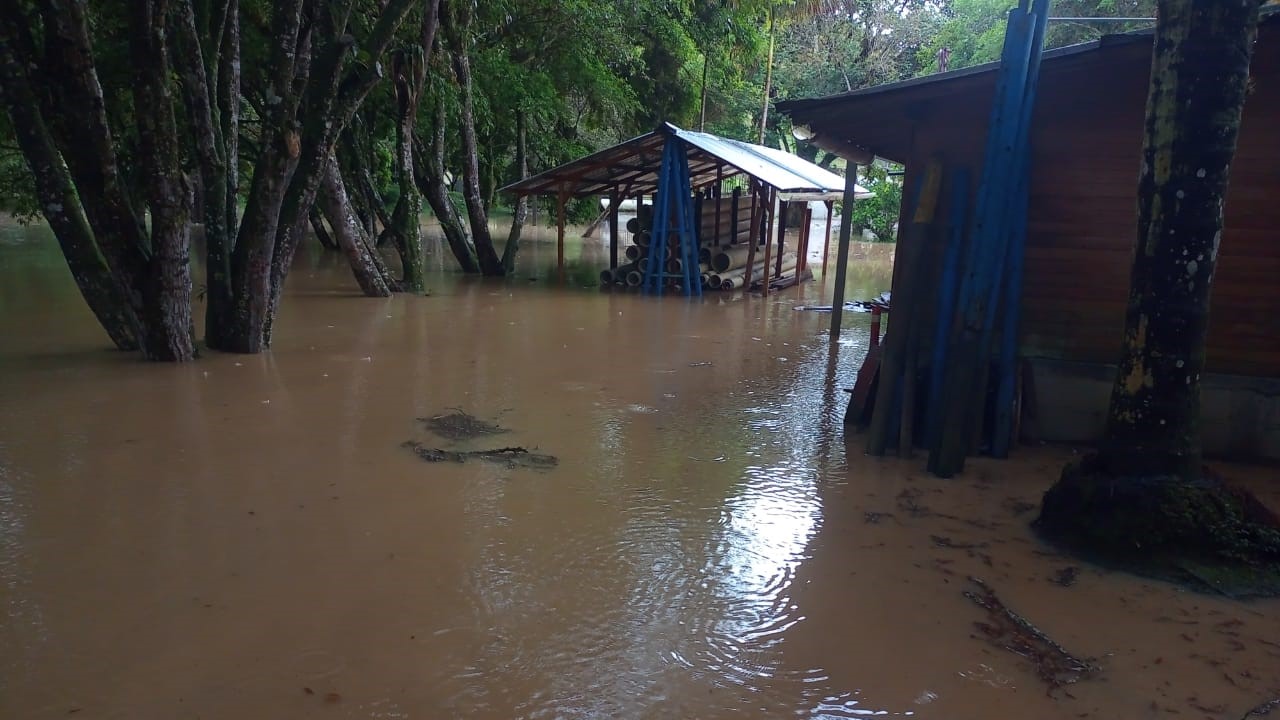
column 459, row 30
column 522, row 203
column 430, row 180
column 369, row 272
column 61, row 206
column 408, row 73
column 1145, row 491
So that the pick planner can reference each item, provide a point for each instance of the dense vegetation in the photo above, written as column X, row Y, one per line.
column 256, row 122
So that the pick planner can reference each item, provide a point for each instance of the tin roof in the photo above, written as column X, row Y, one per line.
column 632, row 168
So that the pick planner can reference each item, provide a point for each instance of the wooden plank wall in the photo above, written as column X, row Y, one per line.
column 1087, row 145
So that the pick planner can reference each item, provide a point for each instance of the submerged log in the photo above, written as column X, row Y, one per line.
column 1009, row 630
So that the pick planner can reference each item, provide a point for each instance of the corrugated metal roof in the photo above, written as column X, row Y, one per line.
column 632, row 168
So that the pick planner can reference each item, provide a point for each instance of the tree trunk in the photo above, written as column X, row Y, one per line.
column 167, row 289
column 61, row 206
column 1199, row 80
column 431, row 182
column 458, row 29
column 1144, row 501
column 409, row 74
column 365, row 265
column 317, row 227
column 522, row 203
column 768, row 81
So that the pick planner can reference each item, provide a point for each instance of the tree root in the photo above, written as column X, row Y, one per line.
column 1007, row 629
column 1203, row 533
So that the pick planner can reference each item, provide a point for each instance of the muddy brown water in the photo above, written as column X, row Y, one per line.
column 245, row 537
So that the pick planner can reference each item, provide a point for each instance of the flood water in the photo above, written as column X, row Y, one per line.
column 246, row 537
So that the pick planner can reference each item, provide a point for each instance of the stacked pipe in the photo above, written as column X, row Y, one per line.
column 725, row 233
column 631, row 273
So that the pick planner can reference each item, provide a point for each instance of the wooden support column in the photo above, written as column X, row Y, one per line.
column 779, row 220
column 826, row 242
column 734, row 197
column 802, row 259
column 561, row 199
column 782, row 235
column 615, row 199
column 758, row 214
column 842, row 255
column 715, row 241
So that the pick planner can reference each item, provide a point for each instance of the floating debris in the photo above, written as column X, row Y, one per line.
column 1066, row 577
column 1054, row 665
column 461, row 425
column 1264, row 709
column 512, row 457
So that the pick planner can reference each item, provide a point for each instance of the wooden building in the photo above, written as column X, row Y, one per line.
column 1086, row 140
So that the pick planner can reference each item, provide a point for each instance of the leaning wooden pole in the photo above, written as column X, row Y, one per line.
column 615, row 199
column 842, row 255
column 561, row 198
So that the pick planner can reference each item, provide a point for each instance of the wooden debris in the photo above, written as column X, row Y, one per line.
column 512, row 457
column 1054, row 665
column 460, row 425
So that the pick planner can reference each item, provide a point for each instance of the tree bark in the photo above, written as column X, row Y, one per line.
column 365, row 265
column 458, row 30
column 1144, row 501
column 522, row 203
column 431, row 182
column 60, row 204
column 167, row 287
column 1199, row 81
column 409, row 74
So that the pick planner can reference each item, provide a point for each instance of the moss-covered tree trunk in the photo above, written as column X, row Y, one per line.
column 1144, row 499
column 370, row 274
column 1199, row 80
column 512, row 248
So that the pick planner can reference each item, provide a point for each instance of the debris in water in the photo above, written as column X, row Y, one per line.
column 946, row 542
column 308, row 691
column 1054, row 665
column 332, row 698
column 461, row 425
column 1263, row 709
column 1066, row 577
column 1018, row 507
column 871, row 517
column 705, row 363
column 512, row 457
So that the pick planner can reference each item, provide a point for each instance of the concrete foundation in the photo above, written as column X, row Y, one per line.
column 1241, row 415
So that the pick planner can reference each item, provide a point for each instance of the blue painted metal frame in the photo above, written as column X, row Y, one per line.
column 947, row 287
column 673, row 214
column 1007, row 364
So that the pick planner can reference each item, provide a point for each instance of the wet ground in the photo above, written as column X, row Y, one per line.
column 246, row 537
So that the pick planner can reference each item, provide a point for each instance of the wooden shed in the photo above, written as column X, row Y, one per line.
column 1086, row 141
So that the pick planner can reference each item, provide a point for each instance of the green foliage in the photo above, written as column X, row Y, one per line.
column 879, row 213
column 974, row 29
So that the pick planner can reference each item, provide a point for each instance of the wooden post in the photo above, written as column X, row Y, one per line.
column 826, row 242
column 842, row 255
column 775, row 204
column 802, row 259
column 560, row 201
column 615, row 199
column 782, row 235
column 758, row 212
column 715, row 239
column 734, row 198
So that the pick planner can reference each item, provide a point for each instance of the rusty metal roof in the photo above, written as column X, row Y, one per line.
column 632, row 168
